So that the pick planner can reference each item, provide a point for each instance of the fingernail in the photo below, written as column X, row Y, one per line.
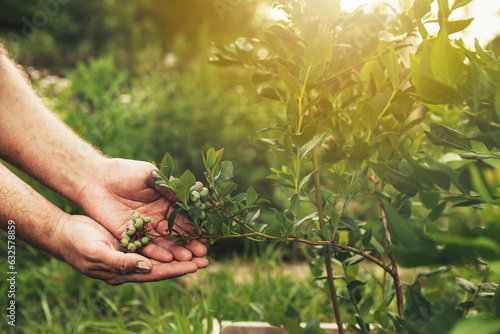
column 142, row 267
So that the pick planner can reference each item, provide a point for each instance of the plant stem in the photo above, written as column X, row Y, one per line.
column 394, row 267
column 326, row 255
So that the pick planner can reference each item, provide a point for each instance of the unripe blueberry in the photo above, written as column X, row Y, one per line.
column 131, row 230
column 146, row 220
column 204, row 192
column 203, row 206
column 125, row 236
column 198, row 186
column 194, row 196
column 125, row 242
column 149, row 236
column 130, row 222
column 138, row 223
column 203, row 215
column 131, row 248
column 136, row 215
column 138, row 244
column 145, row 241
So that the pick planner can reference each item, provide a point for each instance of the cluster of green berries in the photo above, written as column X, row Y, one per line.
column 135, row 235
column 198, row 196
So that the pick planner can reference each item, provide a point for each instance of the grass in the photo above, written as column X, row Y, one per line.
column 52, row 297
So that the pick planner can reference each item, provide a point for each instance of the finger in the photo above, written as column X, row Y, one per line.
column 180, row 253
column 196, row 248
column 201, row 262
column 157, row 252
column 123, row 263
column 159, row 272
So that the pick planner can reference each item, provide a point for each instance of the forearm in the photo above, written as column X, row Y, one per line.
column 33, row 139
column 37, row 220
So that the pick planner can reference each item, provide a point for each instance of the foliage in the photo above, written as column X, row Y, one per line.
column 363, row 118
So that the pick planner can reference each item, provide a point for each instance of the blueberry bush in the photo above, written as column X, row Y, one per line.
column 386, row 149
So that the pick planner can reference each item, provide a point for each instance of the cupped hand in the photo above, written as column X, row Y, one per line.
column 92, row 250
column 121, row 187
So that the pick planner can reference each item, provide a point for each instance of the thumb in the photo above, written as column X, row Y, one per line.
column 126, row 263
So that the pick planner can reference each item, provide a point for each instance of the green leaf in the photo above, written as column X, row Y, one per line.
column 340, row 186
column 225, row 189
column 432, row 91
column 305, row 136
column 288, row 80
column 476, row 88
column 365, row 308
column 487, row 57
column 447, row 62
column 465, row 284
column 460, row 3
column 436, row 213
column 319, row 51
column 367, row 237
column 159, row 180
column 225, row 173
column 491, row 139
column 311, row 74
column 369, row 116
column 420, row 8
column 171, row 219
column 186, row 181
column 251, row 196
column 271, row 93
column 474, row 156
column 429, row 199
column 293, row 114
column 398, row 174
column 305, row 180
column 417, row 307
column 216, row 222
column 354, row 260
column 359, row 152
column 391, row 63
column 457, row 26
column 253, row 216
column 317, row 140
column 167, row 165
column 444, row 11
column 427, row 177
column 448, row 137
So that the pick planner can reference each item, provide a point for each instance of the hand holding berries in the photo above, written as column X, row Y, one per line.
column 135, row 235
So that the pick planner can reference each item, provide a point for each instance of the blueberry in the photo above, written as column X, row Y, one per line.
column 204, row 192
column 131, row 248
column 195, row 196
column 138, row 223
column 131, row 230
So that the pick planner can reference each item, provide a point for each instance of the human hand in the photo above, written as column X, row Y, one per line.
column 121, row 187
column 92, row 250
